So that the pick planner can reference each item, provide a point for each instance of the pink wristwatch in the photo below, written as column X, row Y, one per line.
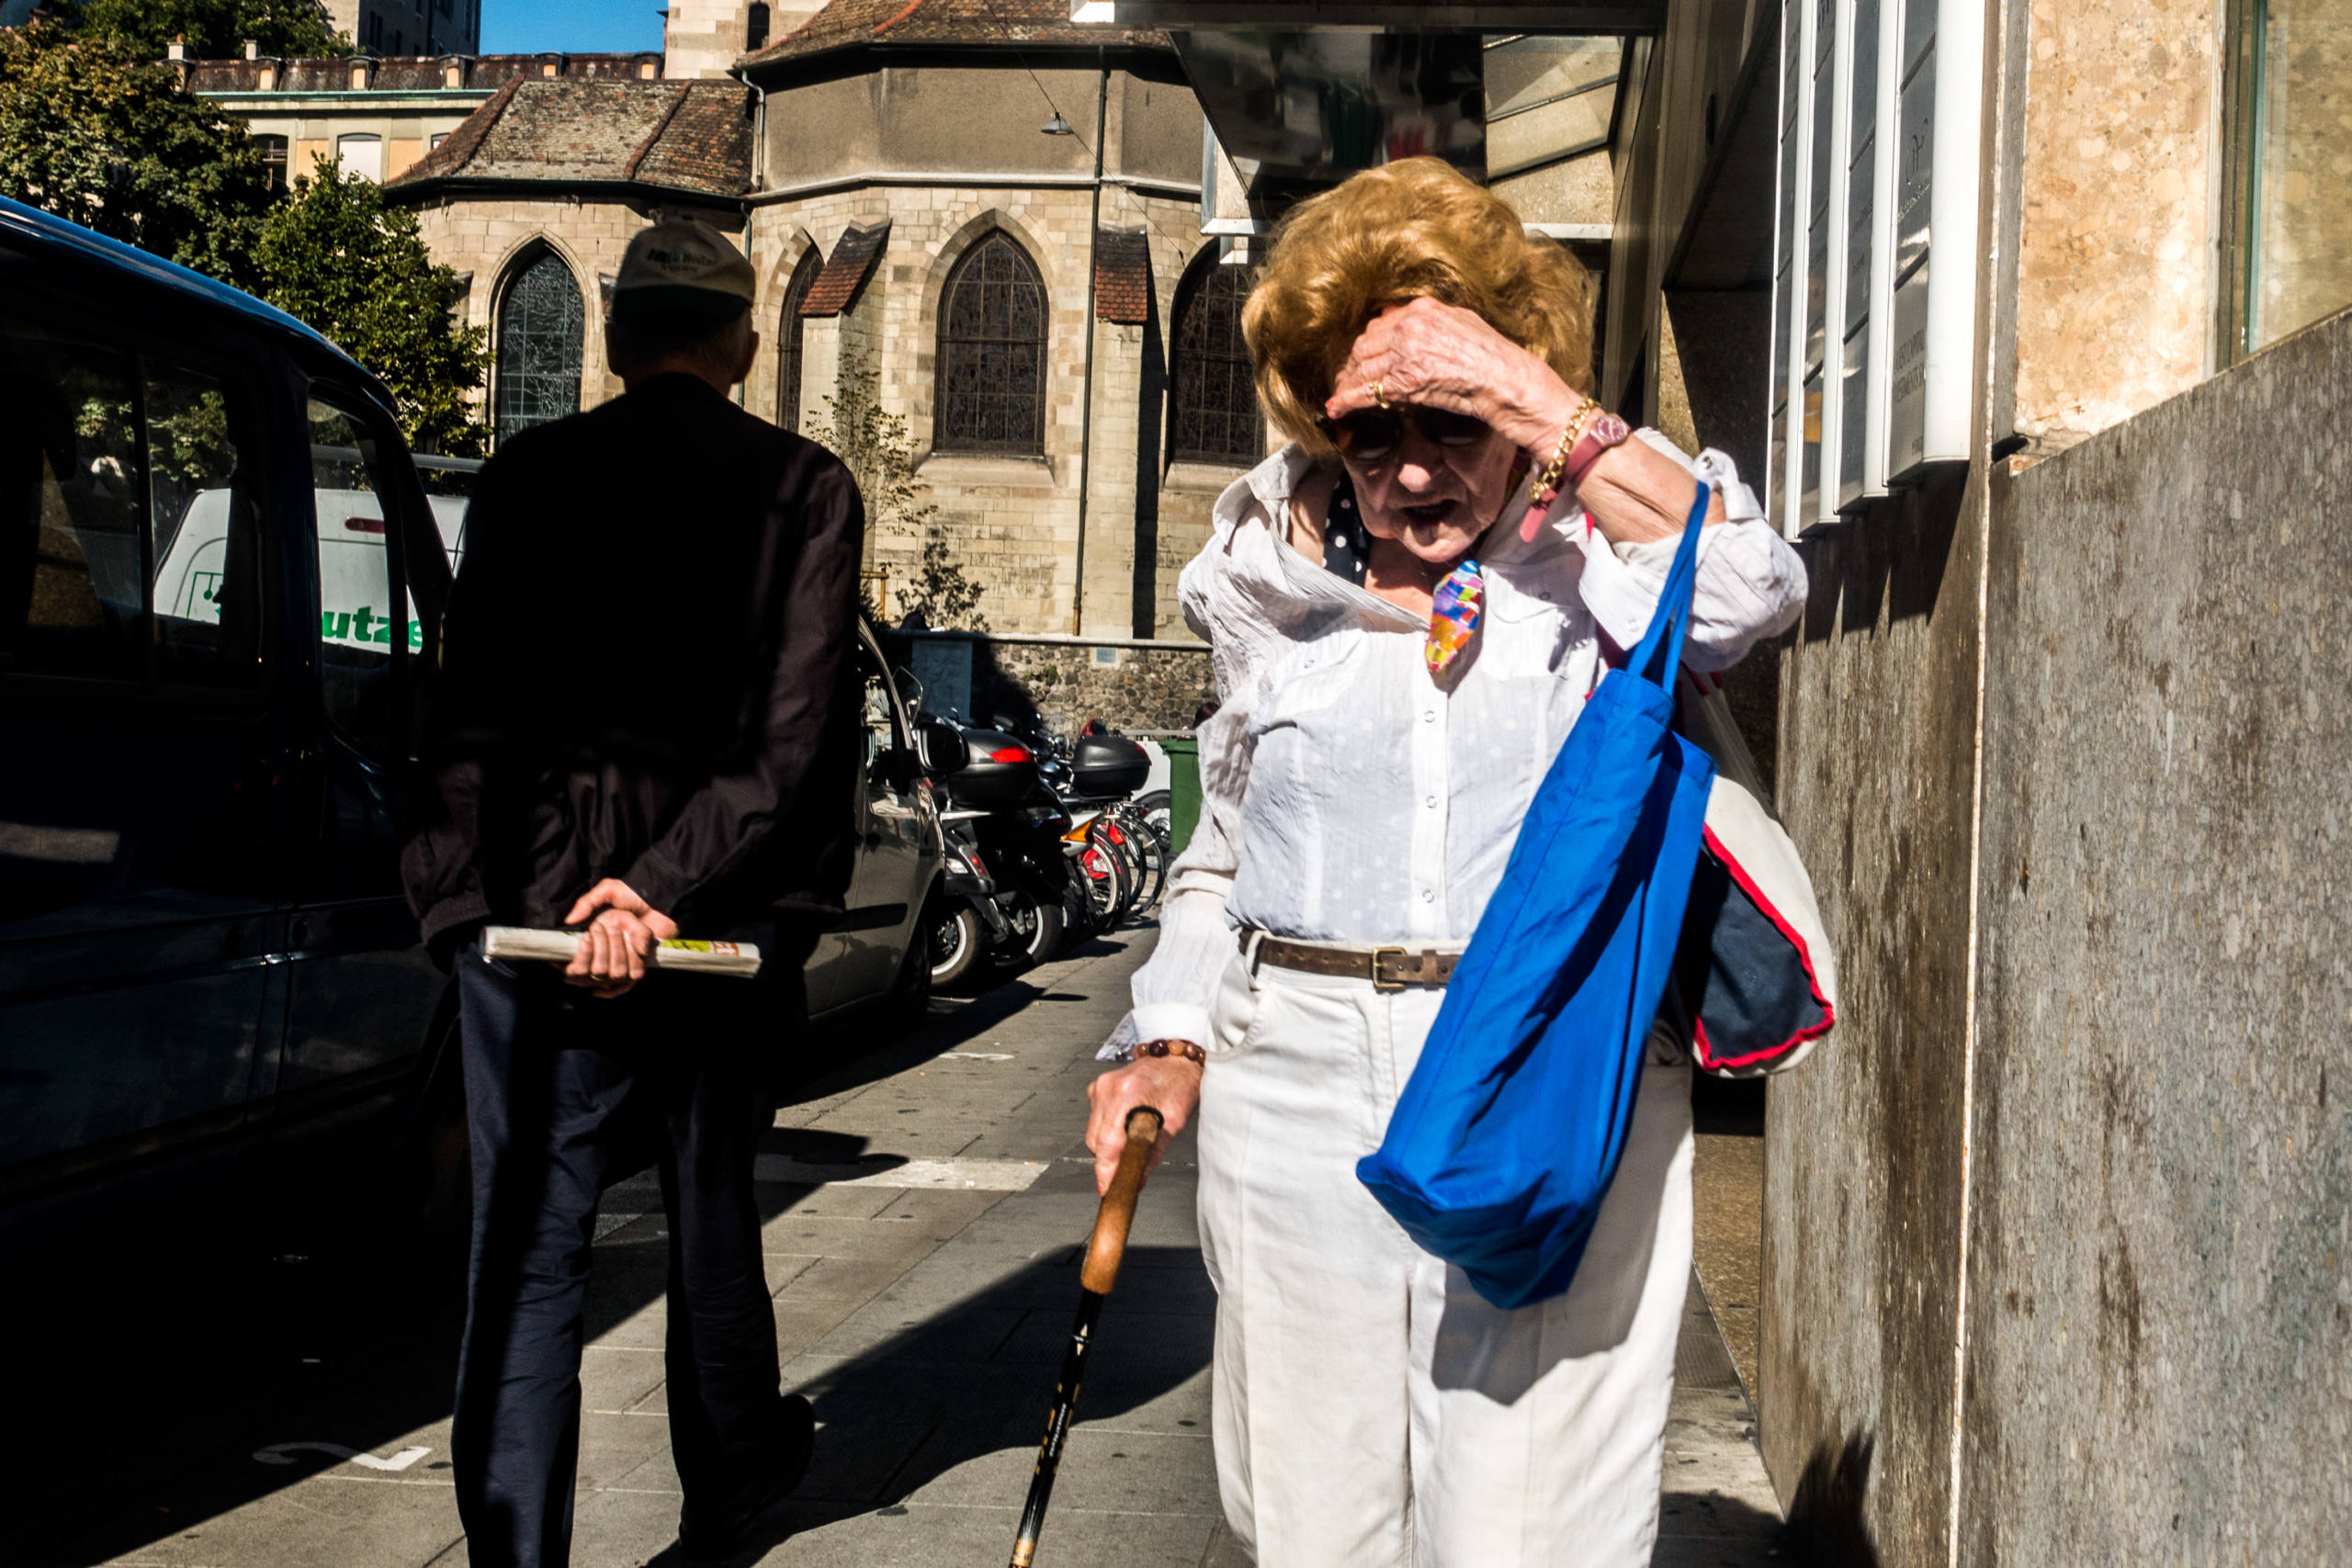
column 1603, row 433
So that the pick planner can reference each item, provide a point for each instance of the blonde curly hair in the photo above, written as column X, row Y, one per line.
column 1415, row 226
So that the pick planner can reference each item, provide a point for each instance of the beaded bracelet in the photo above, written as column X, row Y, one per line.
column 1184, row 1048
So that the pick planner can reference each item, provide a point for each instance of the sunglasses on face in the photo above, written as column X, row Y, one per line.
column 1368, row 435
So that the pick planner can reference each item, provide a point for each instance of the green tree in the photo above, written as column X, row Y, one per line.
column 873, row 443
column 95, row 133
column 214, row 29
column 339, row 256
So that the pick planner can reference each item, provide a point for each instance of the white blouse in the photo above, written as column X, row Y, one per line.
column 1348, row 796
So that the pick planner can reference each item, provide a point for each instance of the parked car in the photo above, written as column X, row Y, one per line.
column 220, row 584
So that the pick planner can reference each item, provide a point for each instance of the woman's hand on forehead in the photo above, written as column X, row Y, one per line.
column 1443, row 357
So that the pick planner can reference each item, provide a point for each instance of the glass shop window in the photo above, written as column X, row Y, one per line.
column 2290, row 205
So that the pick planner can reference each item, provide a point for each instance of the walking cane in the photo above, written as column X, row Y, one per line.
column 1104, row 1251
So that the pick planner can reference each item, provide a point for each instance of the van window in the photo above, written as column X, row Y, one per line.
column 73, row 493
column 128, row 547
column 205, row 539
column 360, row 623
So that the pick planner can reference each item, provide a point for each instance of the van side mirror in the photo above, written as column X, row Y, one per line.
column 940, row 747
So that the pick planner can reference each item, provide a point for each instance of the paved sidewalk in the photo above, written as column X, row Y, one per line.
column 927, row 1205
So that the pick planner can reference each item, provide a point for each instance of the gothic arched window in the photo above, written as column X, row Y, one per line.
column 991, row 367
column 540, row 332
column 1213, row 403
column 788, row 334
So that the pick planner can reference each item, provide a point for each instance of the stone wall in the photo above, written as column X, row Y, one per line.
column 487, row 236
column 1131, row 689
column 1012, row 522
column 1864, row 1143
column 2058, row 1217
column 1144, row 689
column 2115, row 305
column 2159, row 1337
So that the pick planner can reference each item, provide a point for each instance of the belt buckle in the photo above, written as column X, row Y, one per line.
column 1378, row 983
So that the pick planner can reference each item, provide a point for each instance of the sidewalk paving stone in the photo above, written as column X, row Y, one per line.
column 927, row 1323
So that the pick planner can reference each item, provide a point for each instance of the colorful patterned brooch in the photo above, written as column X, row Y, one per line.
column 1453, row 616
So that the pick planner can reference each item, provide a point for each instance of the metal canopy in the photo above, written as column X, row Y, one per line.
column 1466, row 16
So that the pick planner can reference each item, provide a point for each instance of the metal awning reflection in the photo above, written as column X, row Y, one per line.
column 1310, row 108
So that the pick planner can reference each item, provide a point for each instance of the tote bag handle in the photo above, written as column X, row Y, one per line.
column 1673, row 615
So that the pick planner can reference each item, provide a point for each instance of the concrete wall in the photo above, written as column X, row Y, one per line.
column 2160, row 1282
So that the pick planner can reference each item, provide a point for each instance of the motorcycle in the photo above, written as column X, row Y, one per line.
column 1012, row 900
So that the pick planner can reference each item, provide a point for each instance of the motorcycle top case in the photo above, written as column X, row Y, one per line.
column 983, row 784
column 1106, row 767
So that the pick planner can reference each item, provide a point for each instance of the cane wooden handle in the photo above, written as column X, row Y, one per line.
column 1109, row 1243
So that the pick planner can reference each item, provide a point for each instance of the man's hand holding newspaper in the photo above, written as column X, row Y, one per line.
column 622, row 930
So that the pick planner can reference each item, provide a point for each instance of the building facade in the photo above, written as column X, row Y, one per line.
column 2031, row 323
column 409, row 27
column 1042, row 311
column 378, row 117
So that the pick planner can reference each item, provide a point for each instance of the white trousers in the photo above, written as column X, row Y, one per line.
column 1370, row 1409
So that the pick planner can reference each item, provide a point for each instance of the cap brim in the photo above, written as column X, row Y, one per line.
column 677, row 299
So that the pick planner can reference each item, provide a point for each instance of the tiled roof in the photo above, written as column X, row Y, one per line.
column 412, row 72
column 1121, row 276
column 850, row 264
column 683, row 136
column 846, row 24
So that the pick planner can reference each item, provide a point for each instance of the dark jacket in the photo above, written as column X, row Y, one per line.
column 642, row 675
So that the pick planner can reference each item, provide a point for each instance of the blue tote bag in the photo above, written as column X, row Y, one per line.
column 1510, row 1128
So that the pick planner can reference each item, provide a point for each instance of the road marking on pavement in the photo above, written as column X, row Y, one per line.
column 283, row 1453
column 973, row 1175
column 975, row 1056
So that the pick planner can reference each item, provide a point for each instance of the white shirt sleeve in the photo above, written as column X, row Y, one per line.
column 1173, row 987
column 1750, row 585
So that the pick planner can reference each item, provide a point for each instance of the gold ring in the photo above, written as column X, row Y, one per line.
column 1378, row 400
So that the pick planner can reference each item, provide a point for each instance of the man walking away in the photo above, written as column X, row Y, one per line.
column 638, row 727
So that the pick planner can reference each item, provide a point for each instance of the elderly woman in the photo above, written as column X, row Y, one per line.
column 1389, row 709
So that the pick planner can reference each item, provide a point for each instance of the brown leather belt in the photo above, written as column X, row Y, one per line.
column 1390, row 968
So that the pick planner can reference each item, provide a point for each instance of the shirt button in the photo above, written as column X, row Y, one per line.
column 1429, row 896
column 1429, row 716
column 1430, row 801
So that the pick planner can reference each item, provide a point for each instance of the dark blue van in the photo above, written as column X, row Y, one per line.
column 221, row 585
column 202, row 939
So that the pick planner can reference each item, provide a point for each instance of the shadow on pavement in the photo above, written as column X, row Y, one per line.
column 977, row 1380
column 151, row 1368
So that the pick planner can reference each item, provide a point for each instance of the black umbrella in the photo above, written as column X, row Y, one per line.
column 1104, row 1251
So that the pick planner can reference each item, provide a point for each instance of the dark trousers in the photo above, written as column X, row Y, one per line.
column 559, row 1085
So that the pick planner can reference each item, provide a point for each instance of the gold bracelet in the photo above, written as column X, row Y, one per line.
column 1184, row 1048
column 1547, row 483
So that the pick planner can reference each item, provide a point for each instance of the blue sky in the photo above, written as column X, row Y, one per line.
column 580, row 26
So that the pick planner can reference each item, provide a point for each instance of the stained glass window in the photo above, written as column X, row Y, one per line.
column 992, row 353
column 1213, row 405
column 788, row 334
column 539, row 327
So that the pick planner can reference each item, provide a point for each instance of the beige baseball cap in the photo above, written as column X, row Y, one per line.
column 686, row 267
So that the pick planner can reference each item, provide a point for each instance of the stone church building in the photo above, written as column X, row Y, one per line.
column 1017, row 229
column 994, row 212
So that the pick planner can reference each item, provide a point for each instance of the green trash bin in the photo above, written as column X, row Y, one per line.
column 1184, row 791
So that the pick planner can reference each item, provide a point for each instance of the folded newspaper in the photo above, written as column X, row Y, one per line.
column 741, row 959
